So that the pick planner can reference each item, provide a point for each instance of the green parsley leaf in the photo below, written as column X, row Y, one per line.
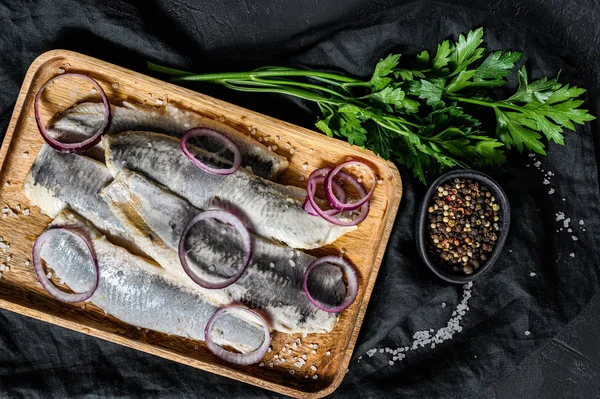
column 383, row 68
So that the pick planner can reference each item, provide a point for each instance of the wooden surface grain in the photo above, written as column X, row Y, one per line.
column 306, row 150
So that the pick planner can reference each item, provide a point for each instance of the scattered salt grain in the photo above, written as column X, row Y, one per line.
column 27, row 263
column 537, row 164
column 313, row 367
column 305, row 165
column 25, row 154
column 274, row 147
column 159, row 101
column 115, row 85
column 328, row 353
column 546, row 182
column 0, row 274
column 83, row 306
column 379, row 181
column 252, row 131
column 270, row 349
column 572, row 254
column 61, row 70
column 287, row 145
column 292, row 150
column 310, row 150
column 574, row 238
column 8, row 258
column 532, row 274
column 261, row 364
column 271, row 265
column 443, row 304
column 49, row 275
column 313, row 352
column 276, row 356
column 276, row 138
column 301, row 178
column 581, row 222
column 551, row 191
column 304, row 357
column 271, row 364
column 391, row 363
column 292, row 263
column 315, row 377
column 7, row 184
column 292, row 372
column 527, row 332
column 26, row 211
column 560, row 216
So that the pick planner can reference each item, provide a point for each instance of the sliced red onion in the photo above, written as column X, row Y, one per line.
column 243, row 359
column 227, row 142
column 39, row 268
column 225, row 217
column 338, row 203
column 339, row 193
column 346, row 178
column 72, row 147
column 351, row 289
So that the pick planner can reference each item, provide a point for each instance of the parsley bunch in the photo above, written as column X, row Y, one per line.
column 415, row 112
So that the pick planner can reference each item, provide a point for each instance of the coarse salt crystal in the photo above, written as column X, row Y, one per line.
column 379, row 181
column 574, row 238
column 26, row 211
column 305, row 165
column 328, row 353
column 304, row 357
column 269, row 350
column 7, row 184
column 572, row 254
column 532, row 274
column 271, row 364
column 27, row 263
column 159, row 101
column 25, row 154
column 315, row 377
column 292, row 150
column 313, row 367
column 271, row 265
column 115, row 85
column 61, row 70
column 292, row 371
column 261, row 364
column 527, row 332
column 292, row 263
column 8, row 258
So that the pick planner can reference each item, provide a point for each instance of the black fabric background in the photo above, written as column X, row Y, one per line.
column 40, row 360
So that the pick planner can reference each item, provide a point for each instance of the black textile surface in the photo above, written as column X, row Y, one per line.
column 543, row 279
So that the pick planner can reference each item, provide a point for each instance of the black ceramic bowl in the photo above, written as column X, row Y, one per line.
column 421, row 228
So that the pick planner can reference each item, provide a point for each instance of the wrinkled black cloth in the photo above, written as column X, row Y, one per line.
column 546, row 273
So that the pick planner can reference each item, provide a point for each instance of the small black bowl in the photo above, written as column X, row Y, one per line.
column 421, row 228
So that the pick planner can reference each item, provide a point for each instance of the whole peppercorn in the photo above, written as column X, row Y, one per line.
column 463, row 225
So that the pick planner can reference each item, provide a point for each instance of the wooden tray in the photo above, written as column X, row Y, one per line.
column 20, row 292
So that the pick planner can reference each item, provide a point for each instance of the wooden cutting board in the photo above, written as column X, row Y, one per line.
column 364, row 248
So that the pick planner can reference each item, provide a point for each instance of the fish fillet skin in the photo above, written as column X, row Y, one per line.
column 83, row 120
column 273, row 280
column 60, row 180
column 270, row 208
column 137, row 292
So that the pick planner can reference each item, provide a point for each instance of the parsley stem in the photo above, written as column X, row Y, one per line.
column 261, row 74
column 495, row 104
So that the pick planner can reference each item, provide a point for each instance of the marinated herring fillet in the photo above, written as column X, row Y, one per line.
column 138, row 292
column 155, row 218
column 269, row 208
column 60, row 180
column 82, row 120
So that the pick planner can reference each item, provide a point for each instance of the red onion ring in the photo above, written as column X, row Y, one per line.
column 351, row 291
column 243, row 359
column 335, row 202
column 227, row 142
column 72, row 147
column 226, row 217
column 43, row 279
column 310, row 196
column 340, row 193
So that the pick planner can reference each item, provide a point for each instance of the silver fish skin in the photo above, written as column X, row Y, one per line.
column 138, row 292
column 273, row 281
column 59, row 180
column 82, row 120
column 270, row 208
